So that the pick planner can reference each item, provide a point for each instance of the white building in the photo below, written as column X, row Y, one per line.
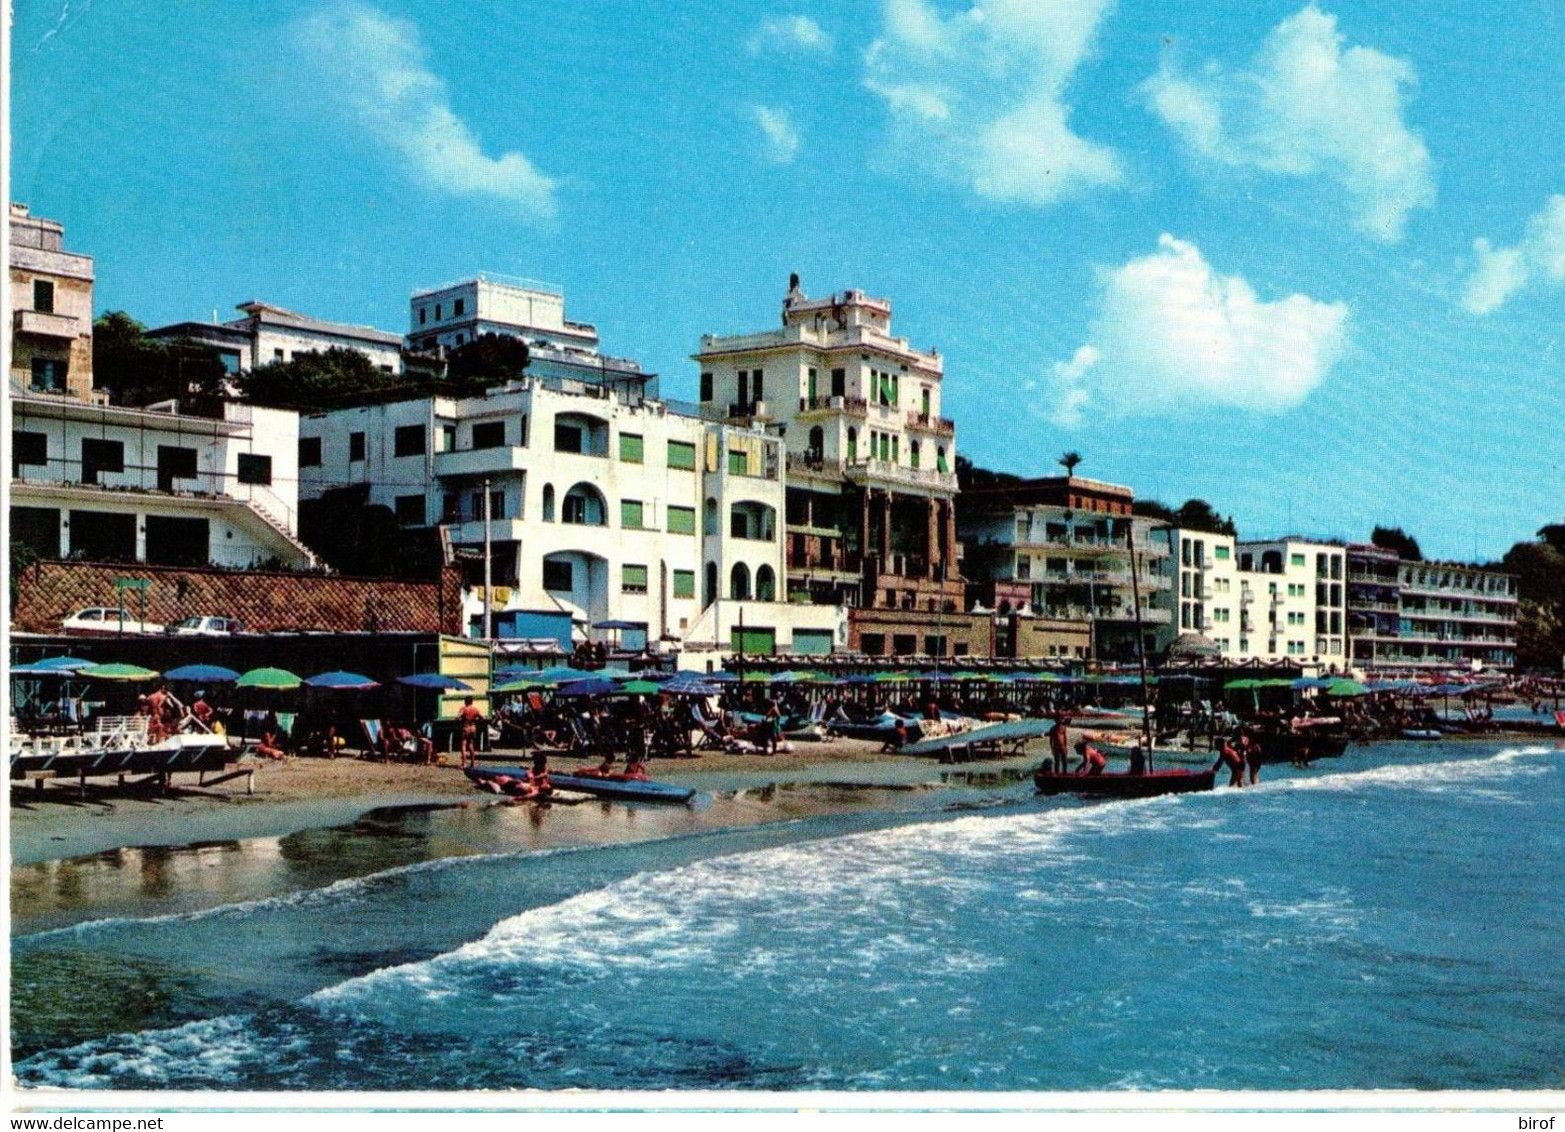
column 454, row 314
column 1277, row 600
column 270, row 334
column 602, row 506
column 105, row 483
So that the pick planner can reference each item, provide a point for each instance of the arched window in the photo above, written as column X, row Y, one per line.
column 584, row 506
column 710, row 593
column 548, row 503
column 765, row 584
column 709, row 518
column 817, row 443
column 739, row 582
column 751, row 520
column 940, row 459
column 853, row 445
column 912, row 453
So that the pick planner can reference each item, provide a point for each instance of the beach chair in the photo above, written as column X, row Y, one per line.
column 374, row 739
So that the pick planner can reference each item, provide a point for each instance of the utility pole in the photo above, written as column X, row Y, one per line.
column 488, row 572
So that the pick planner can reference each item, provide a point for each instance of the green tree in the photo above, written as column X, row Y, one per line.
column 316, row 380
column 1069, row 462
column 488, row 360
column 970, row 477
column 1395, row 538
column 1539, row 568
column 136, row 370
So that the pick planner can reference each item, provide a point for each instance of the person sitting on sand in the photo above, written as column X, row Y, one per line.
column 201, row 712
column 538, row 777
column 1092, row 760
column 269, row 747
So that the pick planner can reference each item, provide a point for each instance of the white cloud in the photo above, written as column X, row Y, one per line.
column 978, row 96
column 376, row 66
column 782, row 140
column 1172, row 337
column 788, row 33
column 1539, row 258
column 1308, row 106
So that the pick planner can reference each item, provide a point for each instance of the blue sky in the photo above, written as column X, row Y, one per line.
column 1304, row 261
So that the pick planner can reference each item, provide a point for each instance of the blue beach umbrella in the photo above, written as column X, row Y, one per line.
column 202, row 674
column 436, row 681
column 342, row 682
column 591, row 687
column 64, row 663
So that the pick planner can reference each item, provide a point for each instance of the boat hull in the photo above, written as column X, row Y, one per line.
column 1149, row 785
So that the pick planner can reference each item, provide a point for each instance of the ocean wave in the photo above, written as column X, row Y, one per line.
column 1520, row 762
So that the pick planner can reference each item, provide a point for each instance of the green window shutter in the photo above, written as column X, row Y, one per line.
column 940, row 463
column 738, row 462
column 684, row 583
column 1221, row 552
column 630, row 514
column 682, row 520
column 1296, row 559
column 681, row 455
column 634, row 579
column 631, row 448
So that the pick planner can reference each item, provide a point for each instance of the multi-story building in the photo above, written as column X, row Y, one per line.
column 871, row 521
column 600, row 505
column 268, row 334
column 51, row 310
column 106, row 483
column 1273, row 600
column 1054, row 558
column 1410, row 615
column 454, row 314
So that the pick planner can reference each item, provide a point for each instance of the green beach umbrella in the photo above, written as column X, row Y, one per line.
column 1346, row 688
column 118, row 672
column 1241, row 684
column 641, row 688
column 518, row 686
column 271, row 679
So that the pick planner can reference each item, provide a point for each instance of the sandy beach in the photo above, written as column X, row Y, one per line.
column 310, row 793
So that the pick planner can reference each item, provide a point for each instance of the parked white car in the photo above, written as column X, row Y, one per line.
column 106, row 619
column 206, row 627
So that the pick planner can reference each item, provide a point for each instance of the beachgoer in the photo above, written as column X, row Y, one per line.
column 772, row 726
column 1250, row 751
column 1059, row 743
column 1138, row 760
column 468, row 719
column 1092, row 760
column 1229, row 756
column 269, row 747
column 636, row 767
column 201, row 711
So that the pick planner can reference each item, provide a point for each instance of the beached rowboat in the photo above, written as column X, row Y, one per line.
column 1125, row 785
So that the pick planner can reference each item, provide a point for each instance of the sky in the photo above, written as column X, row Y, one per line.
column 1304, row 261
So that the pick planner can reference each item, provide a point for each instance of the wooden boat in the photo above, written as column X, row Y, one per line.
column 1150, row 784
column 1423, row 734
column 602, row 786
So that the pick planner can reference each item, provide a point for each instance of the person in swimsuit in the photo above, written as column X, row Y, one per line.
column 1059, row 744
column 1092, row 760
column 468, row 719
column 1250, row 751
column 1229, row 756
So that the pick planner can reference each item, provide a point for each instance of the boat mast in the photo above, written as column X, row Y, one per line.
column 1141, row 645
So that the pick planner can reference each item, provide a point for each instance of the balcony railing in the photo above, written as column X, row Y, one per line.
column 44, row 324
column 940, row 426
column 833, row 404
column 927, row 478
column 132, row 478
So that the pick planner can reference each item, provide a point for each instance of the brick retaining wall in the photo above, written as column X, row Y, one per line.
column 266, row 601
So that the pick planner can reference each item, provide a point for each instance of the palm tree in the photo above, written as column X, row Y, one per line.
column 1069, row 462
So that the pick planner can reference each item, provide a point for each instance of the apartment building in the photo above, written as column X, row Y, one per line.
column 51, row 310
column 1418, row 615
column 269, row 333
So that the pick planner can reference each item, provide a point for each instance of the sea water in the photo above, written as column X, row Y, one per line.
column 1390, row 919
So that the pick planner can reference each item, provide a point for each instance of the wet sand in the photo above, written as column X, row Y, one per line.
column 311, row 793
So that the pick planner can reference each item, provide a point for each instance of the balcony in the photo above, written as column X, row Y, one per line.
column 837, row 404
column 879, row 472
column 471, row 533
column 481, row 461
column 44, row 325
column 940, row 426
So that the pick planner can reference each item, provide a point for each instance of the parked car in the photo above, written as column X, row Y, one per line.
column 106, row 619
column 205, row 626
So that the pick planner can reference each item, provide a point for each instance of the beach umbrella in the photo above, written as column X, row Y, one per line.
column 723, row 678
column 1308, row 682
column 269, row 679
column 640, row 688
column 202, row 674
column 436, row 681
column 43, row 670
column 511, row 686
column 64, row 663
column 690, row 684
column 118, row 672
column 590, row 687
column 1346, row 688
column 342, row 682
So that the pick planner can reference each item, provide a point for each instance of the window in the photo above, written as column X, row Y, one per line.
column 631, row 448
column 765, row 584
column 438, row 315
column 277, row 355
column 490, row 434
column 681, row 455
column 497, row 504
column 630, row 514
column 744, row 387
column 682, row 521
column 567, row 437
column 685, row 583
column 738, row 462
column 548, row 503
column 583, row 505
column 254, row 468
column 423, row 315
column 408, row 440
column 49, row 375
column 557, row 575
column 912, row 453
column 29, row 448
column 872, row 644
column 1296, row 560
column 43, row 296
column 633, row 579
column 739, row 582
column 309, row 452
column 410, row 510
column 458, row 308
column 839, row 384
column 101, row 456
column 706, row 387
column 355, row 446
column 1222, row 553
column 755, row 387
